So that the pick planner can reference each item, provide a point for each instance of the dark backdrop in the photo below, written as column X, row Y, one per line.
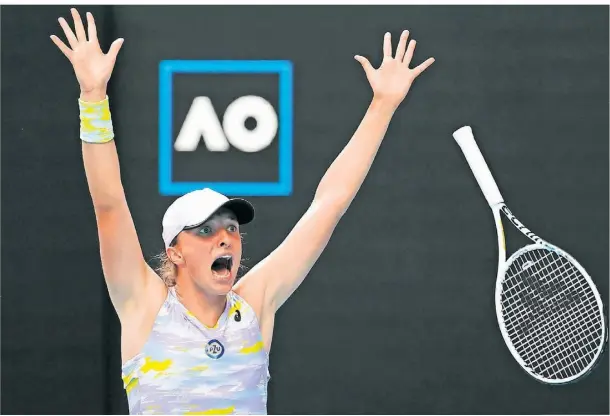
column 398, row 314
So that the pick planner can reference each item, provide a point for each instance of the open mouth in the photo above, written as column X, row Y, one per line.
column 221, row 267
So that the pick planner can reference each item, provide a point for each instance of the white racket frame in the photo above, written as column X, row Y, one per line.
column 465, row 139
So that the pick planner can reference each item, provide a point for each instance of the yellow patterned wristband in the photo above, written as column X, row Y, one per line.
column 95, row 121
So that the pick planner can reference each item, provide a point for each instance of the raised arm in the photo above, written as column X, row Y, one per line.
column 127, row 274
column 274, row 279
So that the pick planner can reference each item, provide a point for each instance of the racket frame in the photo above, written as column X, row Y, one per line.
column 504, row 264
column 465, row 139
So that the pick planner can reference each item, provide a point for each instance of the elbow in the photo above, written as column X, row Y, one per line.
column 335, row 203
column 108, row 204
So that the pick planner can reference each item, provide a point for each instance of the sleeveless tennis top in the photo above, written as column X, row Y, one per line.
column 188, row 368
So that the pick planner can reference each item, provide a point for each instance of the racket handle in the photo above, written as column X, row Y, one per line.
column 465, row 139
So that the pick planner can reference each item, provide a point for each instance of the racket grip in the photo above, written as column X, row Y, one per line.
column 465, row 139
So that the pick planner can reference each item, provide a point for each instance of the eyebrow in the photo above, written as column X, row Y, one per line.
column 230, row 217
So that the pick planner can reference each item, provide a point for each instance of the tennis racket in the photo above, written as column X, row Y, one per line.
column 548, row 308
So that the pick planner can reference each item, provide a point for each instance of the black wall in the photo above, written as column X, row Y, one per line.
column 398, row 315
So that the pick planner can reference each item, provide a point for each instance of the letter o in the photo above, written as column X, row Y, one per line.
column 266, row 123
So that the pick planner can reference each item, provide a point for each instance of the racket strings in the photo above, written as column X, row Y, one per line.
column 547, row 359
column 573, row 333
column 555, row 335
column 550, row 340
column 546, row 334
column 517, row 276
column 526, row 289
column 511, row 302
column 564, row 355
column 550, row 314
column 576, row 362
column 514, row 305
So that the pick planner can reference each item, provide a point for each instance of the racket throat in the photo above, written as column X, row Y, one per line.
column 520, row 225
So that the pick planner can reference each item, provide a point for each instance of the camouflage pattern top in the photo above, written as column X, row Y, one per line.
column 187, row 368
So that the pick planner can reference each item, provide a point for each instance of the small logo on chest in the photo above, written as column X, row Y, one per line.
column 214, row 349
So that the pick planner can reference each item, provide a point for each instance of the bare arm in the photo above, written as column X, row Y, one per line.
column 275, row 278
column 126, row 272
column 125, row 269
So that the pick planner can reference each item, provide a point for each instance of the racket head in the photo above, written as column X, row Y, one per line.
column 550, row 314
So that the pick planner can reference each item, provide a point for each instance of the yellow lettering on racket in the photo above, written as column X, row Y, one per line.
column 503, row 239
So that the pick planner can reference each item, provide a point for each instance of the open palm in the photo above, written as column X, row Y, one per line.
column 393, row 79
column 92, row 67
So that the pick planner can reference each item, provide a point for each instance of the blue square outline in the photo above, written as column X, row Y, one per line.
column 167, row 68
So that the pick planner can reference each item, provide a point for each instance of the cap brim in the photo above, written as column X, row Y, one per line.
column 243, row 210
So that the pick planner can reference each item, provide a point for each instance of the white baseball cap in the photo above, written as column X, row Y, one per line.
column 194, row 208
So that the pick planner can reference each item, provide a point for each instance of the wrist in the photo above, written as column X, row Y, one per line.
column 94, row 95
column 383, row 106
column 96, row 121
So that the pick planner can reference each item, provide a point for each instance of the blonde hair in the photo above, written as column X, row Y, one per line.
column 166, row 269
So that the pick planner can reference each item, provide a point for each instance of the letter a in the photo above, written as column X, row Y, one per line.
column 201, row 120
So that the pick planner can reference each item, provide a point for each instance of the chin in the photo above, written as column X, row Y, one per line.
column 223, row 283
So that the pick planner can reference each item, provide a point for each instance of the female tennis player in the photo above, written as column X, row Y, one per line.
column 193, row 340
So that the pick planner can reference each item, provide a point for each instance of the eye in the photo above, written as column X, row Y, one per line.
column 206, row 230
column 232, row 228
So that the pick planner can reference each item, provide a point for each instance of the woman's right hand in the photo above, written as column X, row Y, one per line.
column 92, row 67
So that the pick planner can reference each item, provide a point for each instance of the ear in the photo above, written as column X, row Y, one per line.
column 175, row 256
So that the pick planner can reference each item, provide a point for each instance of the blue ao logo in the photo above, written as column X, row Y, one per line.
column 214, row 349
column 221, row 133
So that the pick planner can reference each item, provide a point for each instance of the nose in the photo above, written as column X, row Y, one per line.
column 223, row 239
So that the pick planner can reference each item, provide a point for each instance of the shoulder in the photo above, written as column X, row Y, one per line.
column 250, row 294
column 240, row 307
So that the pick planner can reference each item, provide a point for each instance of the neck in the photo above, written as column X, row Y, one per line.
column 206, row 308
